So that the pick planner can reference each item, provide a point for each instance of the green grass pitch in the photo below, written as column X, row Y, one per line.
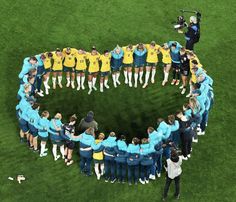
column 30, row 27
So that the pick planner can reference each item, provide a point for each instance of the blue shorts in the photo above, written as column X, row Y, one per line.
column 24, row 125
column 68, row 69
column 47, row 70
column 40, row 71
column 45, row 139
column 127, row 65
column 138, row 65
column 116, row 69
column 33, row 130
column 103, row 74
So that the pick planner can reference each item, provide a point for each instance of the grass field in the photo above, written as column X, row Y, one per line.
column 30, row 27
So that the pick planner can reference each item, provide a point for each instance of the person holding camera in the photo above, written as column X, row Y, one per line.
column 192, row 35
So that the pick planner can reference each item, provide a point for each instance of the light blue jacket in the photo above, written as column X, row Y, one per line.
column 165, row 128
column 33, row 116
column 44, row 127
column 117, row 56
column 40, row 61
column 175, row 126
column 27, row 66
column 175, row 55
column 155, row 137
column 133, row 154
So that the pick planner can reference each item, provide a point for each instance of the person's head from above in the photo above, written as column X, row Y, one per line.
column 185, row 106
column 144, row 141
column 90, row 131
column 190, row 55
column 68, row 50
column 73, row 119
column 32, row 72
column 123, row 138
column 45, row 114
column 49, row 54
column 80, row 51
column 173, row 46
column 174, row 155
column 36, row 106
column 171, row 119
column 193, row 20
column 58, row 52
column 193, row 103
column 201, row 77
column 194, row 65
column 152, row 44
column 27, row 88
column 43, row 57
column 182, row 51
column 135, row 141
column 106, row 53
column 89, row 117
column 58, row 116
column 159, row 120
column 33, row 60
column 112, row 134
column 117, row 49
column 150, row 130
column 31, row 79
column 179, row 114
column 165, row 46
column 101, row 136
column 196, row 86
column 196, row 93
column 129, row 47
column 94, row 51
column 140, row 47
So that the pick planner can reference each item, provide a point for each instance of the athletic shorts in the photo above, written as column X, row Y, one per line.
column 80, row 71
column 92, row 73
column 57, row 142
column 139, row 65
column 116, row 69
column 165, row 64
column 33, row 130
column 45, row 139
column 70, row 144
column 151, row 64
column 175, row 65
column 24, row 125
column 98, row 161
column 56, row 70
column 103, row 74
column 127, row 65
column 68, row 69
column 184, row 72
column 47, row 70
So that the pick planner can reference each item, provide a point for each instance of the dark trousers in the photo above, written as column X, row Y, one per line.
column 186, row 143
column 133, row 171
column 204, row 120
column 39, row 82
column 109, row 169
column 167, row 185
column 175, row 138
column 190, row 44
column 157, row 163
column 85, row 165
column 145, row 172
column 121, row 170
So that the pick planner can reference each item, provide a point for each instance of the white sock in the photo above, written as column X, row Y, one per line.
column 114, row 78
column 54, row 79
column 141, row 75
column 96, row 168
column 59, row 79
column 117, row 76
column 147, row 77
column 166, row 75
column 68, row 79
column 78, row 80
column 130, row 76
column 125, row 74
column 153, row 73
column 82, row 80
column 102, row 168
column 62, row 150
column 106, row 82
column 190, row 89
column 47, row 79
column 54, row 151
column 45, row 84
column 135, row 78
column 42, row 149
column 90, row 85
column 101, row 86
column 94, row 81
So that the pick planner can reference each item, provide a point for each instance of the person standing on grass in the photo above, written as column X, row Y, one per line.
column 174, row 125
column 29, row 63
column 80, row 68
column 39, row 75
column 105, row 69
column 47, row 62
column 88, row 122
column 173, row 173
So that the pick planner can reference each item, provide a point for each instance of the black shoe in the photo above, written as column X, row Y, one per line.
column 35, row 150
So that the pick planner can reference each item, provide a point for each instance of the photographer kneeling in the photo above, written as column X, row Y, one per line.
column 192, row 36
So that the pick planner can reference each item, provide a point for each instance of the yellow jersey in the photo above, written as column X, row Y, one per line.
column 57, row 62
column 193, row 77
column 106, row 63
column 47, row 62
column 69, row 59
column 166, row 58
column 93, row 62
column 98, row 155
column 152, row 53
column 81, row 61
column 128, row 55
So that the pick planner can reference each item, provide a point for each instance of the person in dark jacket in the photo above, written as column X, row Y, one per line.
column 88, row 122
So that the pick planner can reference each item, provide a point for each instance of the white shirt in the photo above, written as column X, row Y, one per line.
column 174, row 169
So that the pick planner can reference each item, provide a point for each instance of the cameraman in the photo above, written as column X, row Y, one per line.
column 192, row 36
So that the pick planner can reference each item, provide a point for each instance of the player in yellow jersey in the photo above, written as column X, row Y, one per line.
column 57, row 68
column 105, row 69
column 93, row 69
column 152, row 59
column 69, row 65
column 191, row 56
column 80, row 68
column 128, row 61
column 166, row 60
column 47, row 61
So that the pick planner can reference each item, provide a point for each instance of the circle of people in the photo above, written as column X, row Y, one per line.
column 113, row 158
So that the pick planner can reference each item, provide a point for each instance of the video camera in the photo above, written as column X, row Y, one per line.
column 181, row 22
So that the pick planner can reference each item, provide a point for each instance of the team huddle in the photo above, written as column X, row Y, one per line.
column 140, row 160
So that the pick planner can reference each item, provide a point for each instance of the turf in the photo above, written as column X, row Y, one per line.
column 30, row 27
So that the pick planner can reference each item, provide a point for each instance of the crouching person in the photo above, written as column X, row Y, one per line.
column 120, row 159
column 133, row 158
